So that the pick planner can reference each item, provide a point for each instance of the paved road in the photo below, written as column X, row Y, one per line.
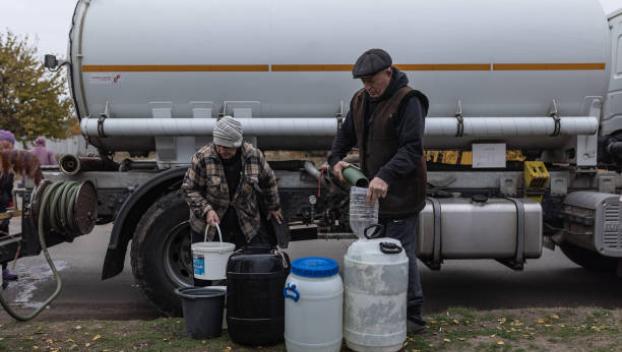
column 549, row 281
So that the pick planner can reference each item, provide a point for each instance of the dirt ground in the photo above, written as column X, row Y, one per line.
column 457, row 329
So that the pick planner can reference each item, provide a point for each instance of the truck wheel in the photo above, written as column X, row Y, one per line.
column 161, row 258
column 589, row 260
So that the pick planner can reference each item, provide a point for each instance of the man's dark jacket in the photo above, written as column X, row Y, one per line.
column 388, row 131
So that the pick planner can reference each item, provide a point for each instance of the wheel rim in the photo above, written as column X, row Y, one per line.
column 177, row 257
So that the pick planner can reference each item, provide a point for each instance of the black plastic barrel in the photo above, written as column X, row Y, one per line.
column 255, row 304
column 203, row 309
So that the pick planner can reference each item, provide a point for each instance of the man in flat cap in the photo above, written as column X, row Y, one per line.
column 386, row 122
column 220, row 187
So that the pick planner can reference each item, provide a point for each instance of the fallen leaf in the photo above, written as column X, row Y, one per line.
column 96, row 337
column 78, row 327
column 455, row 321
column 500, row 342
column 517, row 323
column 447, row 340
column 540, row 321
column 555, row 316
column 87, row 344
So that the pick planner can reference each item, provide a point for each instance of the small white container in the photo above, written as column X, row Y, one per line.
column 362, row 213
column 313, row 306
column 209, row 259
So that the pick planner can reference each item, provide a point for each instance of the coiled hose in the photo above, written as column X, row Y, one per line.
column 55, row 210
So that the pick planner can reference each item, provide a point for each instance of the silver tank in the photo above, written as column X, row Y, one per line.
column 263, row 59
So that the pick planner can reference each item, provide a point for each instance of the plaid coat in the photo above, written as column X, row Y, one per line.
column 205, row 188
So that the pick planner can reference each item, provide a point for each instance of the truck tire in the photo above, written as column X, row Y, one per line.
column 589, row 260
column 161, row 258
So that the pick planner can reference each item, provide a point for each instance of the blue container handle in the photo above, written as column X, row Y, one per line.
column 294, row 295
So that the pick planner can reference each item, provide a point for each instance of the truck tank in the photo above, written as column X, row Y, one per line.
column 266, row 59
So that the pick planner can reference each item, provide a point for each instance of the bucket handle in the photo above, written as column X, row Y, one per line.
column 217, row 229
column 294, row 295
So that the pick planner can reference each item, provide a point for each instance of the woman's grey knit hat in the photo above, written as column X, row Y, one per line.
column 228, row 132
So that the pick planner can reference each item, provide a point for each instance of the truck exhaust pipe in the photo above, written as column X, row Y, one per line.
column 69, row 164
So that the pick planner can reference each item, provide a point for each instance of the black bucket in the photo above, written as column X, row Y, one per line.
column 203, row 309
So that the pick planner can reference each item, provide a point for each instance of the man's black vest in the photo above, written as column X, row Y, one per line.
column 406, row 195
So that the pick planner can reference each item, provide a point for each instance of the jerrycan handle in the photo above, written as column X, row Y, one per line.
column 377, row 230
column 284, row 257
column 294, row 295
column 390, row 248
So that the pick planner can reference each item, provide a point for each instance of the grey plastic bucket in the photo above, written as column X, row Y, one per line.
column 203, row 310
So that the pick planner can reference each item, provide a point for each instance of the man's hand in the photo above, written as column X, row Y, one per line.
column 377, row 189
column 276, row 215
column 338, row 169
column 324, row 167
column 212, row 218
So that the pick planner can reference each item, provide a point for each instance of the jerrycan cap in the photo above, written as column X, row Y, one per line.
column 315, row 267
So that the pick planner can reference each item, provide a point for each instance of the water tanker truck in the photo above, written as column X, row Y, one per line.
column 523, row 138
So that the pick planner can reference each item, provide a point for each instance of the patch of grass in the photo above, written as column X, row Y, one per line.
column 457, row 329
column 157, row 335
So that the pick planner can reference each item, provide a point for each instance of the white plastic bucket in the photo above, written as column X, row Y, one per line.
column 209, row 259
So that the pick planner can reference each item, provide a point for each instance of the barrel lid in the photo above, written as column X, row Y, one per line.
column 315, row 267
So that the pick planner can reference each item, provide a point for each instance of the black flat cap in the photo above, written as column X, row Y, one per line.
column 371, row 62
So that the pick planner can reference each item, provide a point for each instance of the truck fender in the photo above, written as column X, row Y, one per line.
column 130, row 213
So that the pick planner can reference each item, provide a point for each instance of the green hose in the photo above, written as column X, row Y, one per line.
column 355, row 177
column 56, row 211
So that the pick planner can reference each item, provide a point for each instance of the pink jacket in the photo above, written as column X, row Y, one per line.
column 45, row 156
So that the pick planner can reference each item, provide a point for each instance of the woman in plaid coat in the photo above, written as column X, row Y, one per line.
column 220, row 187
